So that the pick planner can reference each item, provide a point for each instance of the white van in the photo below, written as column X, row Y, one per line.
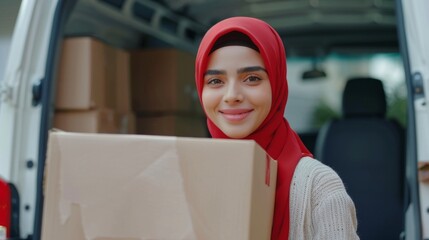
column 327, row 41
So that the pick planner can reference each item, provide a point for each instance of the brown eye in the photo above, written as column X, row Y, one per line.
column 214, row 82
column 252, row 79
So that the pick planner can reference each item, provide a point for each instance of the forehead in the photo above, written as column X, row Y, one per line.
column 234, row 57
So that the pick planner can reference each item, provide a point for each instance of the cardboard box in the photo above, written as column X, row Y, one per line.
column 118, row 80
column 126, row 122
column 93, row 75
column 163, row 80
column 173, row 125
column 91, row 121
column 81, row 76
column 116, row 187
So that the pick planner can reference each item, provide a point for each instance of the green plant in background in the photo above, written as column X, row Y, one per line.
column 323, row 113
column 397, row 107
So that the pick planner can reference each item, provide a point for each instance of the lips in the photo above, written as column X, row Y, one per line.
column 235, row 115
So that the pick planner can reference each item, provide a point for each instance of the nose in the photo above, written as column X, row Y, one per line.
column 233, row 93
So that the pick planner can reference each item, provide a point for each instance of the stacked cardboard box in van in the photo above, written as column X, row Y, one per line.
column 163, row 93
column 93, row 88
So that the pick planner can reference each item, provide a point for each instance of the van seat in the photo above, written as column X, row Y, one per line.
column 367, row 151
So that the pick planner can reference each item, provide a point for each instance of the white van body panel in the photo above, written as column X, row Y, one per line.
column 417, row 34
column 20, row 121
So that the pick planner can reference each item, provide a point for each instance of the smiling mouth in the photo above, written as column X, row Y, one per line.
column 235, row 115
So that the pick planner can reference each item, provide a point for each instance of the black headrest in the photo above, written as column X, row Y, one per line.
column 364, row 97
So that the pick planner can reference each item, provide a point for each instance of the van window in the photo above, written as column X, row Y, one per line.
column 313, row 102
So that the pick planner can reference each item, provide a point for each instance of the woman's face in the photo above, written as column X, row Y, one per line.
column 237, row 92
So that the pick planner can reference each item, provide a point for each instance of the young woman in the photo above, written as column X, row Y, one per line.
column 240, row 75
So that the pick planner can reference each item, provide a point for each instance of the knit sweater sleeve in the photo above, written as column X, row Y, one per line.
column 320, row 207
column 334, row 214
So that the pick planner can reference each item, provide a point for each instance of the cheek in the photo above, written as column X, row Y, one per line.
column 209, row 99
column 266, row 104
column 268, row 100
column 262, row 99
column 268, row 97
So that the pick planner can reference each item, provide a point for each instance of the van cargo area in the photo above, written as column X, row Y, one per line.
column 104, row 89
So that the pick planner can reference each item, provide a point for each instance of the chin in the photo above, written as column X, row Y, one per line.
column 236, row 135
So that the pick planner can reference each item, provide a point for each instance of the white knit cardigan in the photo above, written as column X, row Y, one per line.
column 320, row 207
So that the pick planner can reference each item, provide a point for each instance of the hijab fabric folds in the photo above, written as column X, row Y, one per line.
column 274, row 134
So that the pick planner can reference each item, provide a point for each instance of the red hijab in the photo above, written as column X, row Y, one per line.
column 274, row 134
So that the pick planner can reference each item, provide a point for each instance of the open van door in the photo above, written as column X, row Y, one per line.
column 414, row 36
column 26, row 84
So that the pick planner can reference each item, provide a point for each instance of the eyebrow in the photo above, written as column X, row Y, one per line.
column 214, row 72
column 239, row 71
column 251, row 69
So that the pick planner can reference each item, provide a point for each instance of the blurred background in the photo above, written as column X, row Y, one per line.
column 327, row 41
